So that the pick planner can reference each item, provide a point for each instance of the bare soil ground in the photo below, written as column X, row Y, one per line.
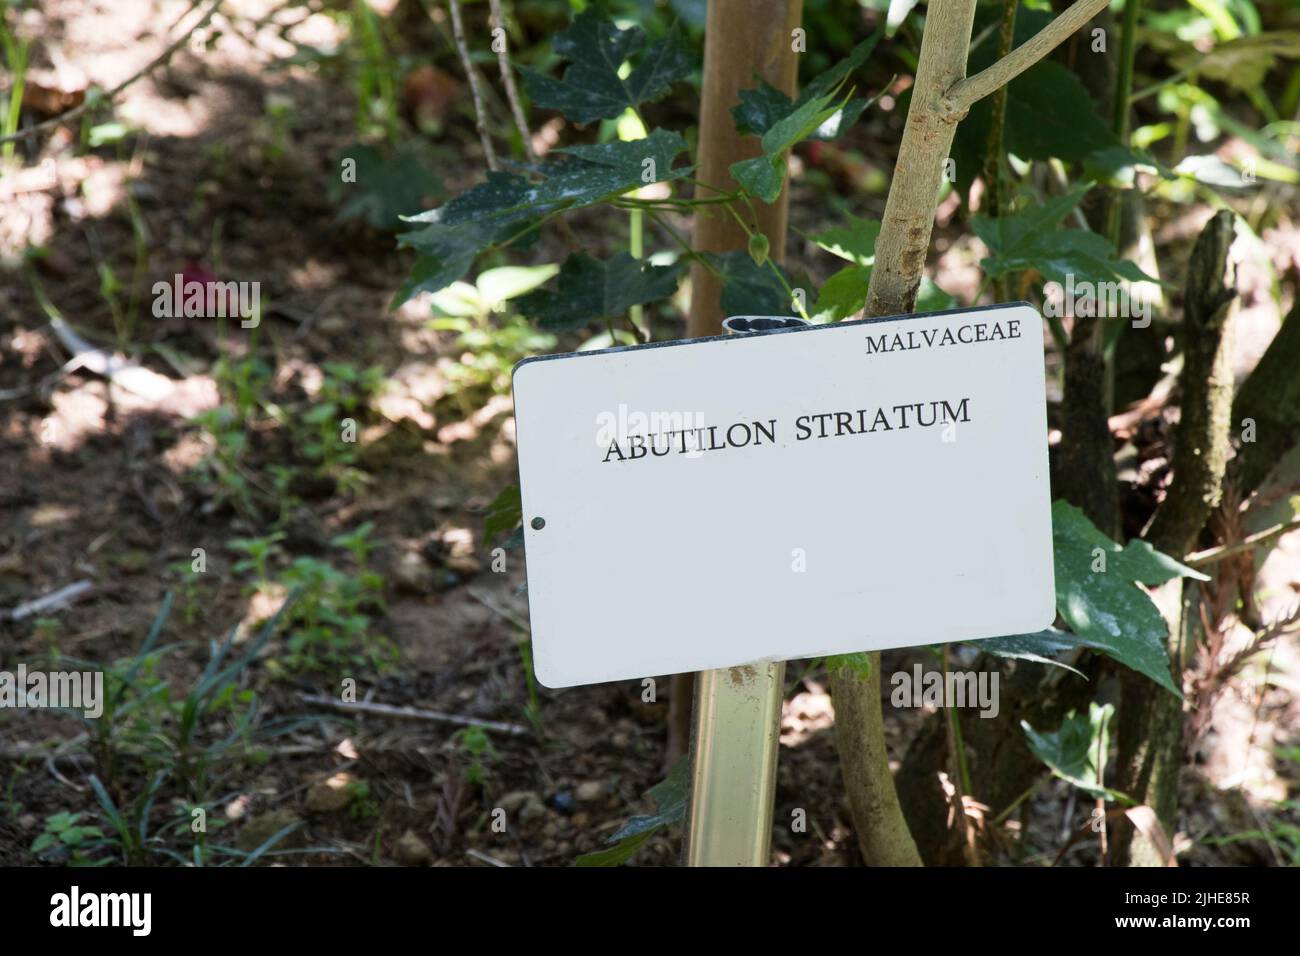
column 96, row 484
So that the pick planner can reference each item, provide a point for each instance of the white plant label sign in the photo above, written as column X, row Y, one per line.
column 824, row 490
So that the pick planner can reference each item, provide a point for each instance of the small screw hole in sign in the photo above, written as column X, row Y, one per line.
column 539, row 523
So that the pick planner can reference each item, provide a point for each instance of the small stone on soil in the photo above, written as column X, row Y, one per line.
column 412, row 851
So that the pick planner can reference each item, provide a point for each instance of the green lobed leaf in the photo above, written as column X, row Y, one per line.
column 855, row 242
column 597, row 173
column 1106, row 607
column 1050, row 115
column 1058, row 255
column 1077, row 751
column 1039, row 647
column 1004, row 235
column 590, row 88
column 750, row 289
column 760, row 108
column 761, row 177
column 499, row 209
column 764, row 106
column 1030, row 240
column 781, row 122
column 447, row 252
column 802, row 122
column 591, row 289
column 1137, row 560
column 844, row 295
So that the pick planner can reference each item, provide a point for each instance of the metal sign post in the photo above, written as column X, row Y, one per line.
column 735, row 737
column 735, row 730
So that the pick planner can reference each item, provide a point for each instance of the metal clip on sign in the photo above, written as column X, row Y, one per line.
column 735, row 731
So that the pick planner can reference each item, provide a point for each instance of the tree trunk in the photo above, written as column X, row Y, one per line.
column 883, row 837
column 901, row 249
column 940, row 98
column 1085, row 459
column 1150, row 736
column 904, row 239
column 743, row 39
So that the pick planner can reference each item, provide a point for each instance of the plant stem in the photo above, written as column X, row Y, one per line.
column 1123, row 106
column 940, row 98
column 993, row 205
column 686, row 246
column 512, row 91
column 795, row 302
column 1017, row 802
column 636, row 246
column 15, row 50
column 480, row 120
column 963, row 94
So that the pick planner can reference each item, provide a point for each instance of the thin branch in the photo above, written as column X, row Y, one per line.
column 1214, row 555
column 55, row 600
column 963, row 94
column 105, row 99
column 512, row 92
column 413, row 713
column 992, row 205
column 1123, row 108
column 480, row 122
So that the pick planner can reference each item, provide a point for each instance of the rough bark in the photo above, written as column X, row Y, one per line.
column 1270, row 399
column 742, row 39
column 1085, row 457
column 1201, row 441
column 992, row 204
column 1150, row 731
column 1084, row 472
